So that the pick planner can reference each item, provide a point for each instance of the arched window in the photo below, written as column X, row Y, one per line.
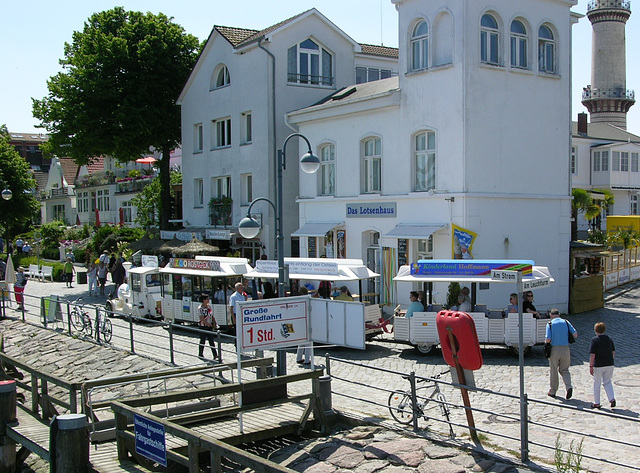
column 420, row 46
column 442, row 40
column 489, row 40
column 220, row 77
column 309, row 63
column 371, row 165
column 546, row 50
column 519, row 45
column 424, row 156
column 327, row 169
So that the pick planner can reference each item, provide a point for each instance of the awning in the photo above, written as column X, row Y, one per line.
column 315, row 229
column 414, row 231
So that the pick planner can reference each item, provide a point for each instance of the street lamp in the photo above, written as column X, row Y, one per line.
column 6, row 195
column 250, row 227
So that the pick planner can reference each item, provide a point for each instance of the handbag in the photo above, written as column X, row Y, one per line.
column 572, row 339
column 547, row 349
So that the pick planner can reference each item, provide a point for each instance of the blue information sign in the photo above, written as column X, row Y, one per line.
column 150, row 439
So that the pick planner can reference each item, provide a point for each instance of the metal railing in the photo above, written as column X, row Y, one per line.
column 617, row 4
column 612, row 447
column 615, row 93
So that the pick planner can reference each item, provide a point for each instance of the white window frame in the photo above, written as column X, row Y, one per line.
column 198, row 138
column 596, row 161
column 246, row 128
column 198, row 193
column 546, row 50
column 59, row 212
column 309, row 66
column 247, row 188
column 519, row 43
column 605, row 160
column 372, row 165
column 222, row 78
column 370, row 74
column 624, row 161
column 419, row 48
column 424, row 160
column 615, row 160
column 127, row 211
column 634, row 162
column 220, row 187
column 221, row 133
column 490, row 38
column 327, row 173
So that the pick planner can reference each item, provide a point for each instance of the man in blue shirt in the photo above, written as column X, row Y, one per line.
column 560, row 360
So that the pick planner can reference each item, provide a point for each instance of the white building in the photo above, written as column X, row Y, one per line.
column 233, row 109
column 475, row 133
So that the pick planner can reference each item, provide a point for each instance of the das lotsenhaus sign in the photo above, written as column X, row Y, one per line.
column 373, row 209
column 272, row 323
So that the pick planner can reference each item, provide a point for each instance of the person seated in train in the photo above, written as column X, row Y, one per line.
column 527, row 305
column 512, row 308
column 463, row 304
column 415, row 306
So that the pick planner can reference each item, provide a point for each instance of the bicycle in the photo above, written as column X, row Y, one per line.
column 80, row 318
column 104, row 326
column 401, row 405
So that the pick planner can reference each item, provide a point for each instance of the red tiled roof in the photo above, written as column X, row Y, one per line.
column 376, row 50
column 69, row 169
column 96, row 165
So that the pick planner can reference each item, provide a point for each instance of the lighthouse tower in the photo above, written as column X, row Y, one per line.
column 607, row 98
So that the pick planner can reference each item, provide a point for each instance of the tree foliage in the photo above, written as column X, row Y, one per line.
column 17, row 214
column 117, row 92
column 584, row 203
column 147, row 202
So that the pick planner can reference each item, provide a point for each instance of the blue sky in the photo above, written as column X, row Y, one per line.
column 33, row 34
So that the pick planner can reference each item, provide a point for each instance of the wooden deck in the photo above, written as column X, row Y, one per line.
column 262, row 423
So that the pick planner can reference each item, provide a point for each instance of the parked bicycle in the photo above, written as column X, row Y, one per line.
column 80, row 319
column 103, row 326
column 428, row 399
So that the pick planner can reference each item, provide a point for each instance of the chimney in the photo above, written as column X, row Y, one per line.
column 582, row 123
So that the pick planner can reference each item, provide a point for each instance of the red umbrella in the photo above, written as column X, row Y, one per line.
column 147, row 160
column 121, row 214
column 97, row 217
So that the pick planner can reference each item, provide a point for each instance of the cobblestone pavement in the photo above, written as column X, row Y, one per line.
column 363, row 387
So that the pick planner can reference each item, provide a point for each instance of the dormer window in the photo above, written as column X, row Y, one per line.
column 220, row 77
column 309, row 63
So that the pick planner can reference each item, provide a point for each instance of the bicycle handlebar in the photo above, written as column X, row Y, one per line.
column 422, row 380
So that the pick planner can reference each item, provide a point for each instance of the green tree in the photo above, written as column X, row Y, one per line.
column 117, row 92
column 147, row 201
column 17, row 214
column 582, row 203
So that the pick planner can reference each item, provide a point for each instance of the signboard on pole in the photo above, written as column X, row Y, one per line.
column 271, row 323
column 536, row 284
column 150, row 439
column 502, row 275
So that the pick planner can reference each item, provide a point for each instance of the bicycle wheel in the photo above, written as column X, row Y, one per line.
column 86, row 321
column 440, row 399
column 106, row 329
column 401, row 407
column 76, row 320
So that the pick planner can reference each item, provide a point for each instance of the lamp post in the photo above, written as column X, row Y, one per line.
column 6, row 195
column 250, row 227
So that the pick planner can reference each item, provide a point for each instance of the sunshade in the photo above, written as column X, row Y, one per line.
column 10, row 272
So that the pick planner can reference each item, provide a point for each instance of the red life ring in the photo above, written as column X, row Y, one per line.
column 465, row 338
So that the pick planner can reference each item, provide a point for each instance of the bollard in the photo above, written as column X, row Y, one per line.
column 324, row 393
column 70, row 444
column 7, row 415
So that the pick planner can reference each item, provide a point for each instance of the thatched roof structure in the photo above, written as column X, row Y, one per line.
column 195, row 247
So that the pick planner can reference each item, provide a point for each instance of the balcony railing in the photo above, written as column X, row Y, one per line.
column 616, row 4
column 220, row 214
column 133, row 185
column 617, row 93
column 310, row 79
column 98, row 179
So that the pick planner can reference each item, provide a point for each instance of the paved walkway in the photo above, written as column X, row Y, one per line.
column 353, row 383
